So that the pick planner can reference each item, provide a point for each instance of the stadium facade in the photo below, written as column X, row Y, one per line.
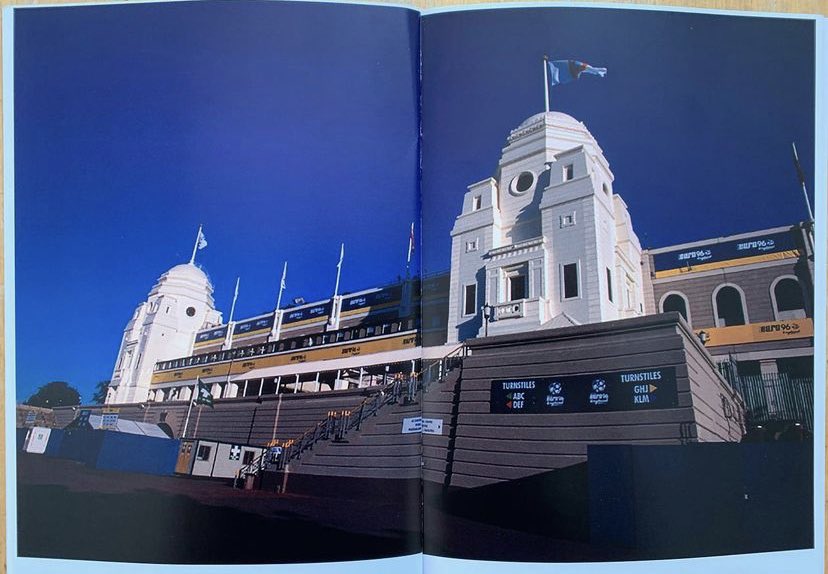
column 552, row 325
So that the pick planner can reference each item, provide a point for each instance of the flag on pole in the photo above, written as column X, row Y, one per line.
column 203, row 395
column 565, row 71
column 341, row 255
column 282, row 283
column 200, row 243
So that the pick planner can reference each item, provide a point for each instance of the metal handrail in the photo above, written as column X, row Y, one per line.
column 337, row 423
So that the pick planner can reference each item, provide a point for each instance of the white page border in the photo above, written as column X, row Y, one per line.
column 774, row 562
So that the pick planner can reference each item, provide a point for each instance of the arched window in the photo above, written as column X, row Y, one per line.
column 675, row 302
column 788, row 302
column 729, row 306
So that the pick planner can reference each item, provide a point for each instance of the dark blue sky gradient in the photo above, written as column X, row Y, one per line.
column 285, row 128
column 696, row 115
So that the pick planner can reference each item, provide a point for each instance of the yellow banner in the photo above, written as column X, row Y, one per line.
column 758, row 332
column 245, row 364
column 725, row 264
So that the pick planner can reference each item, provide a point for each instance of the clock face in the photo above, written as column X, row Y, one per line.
column 190, row 311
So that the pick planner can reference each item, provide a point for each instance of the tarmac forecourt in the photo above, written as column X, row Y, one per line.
column 67, row 510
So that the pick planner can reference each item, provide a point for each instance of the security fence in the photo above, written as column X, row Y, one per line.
column 777, row 398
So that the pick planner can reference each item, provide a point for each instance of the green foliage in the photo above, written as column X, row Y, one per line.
column 55, row 394
column 99, row 396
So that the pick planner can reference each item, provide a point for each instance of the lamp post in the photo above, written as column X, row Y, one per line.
column 487, row 311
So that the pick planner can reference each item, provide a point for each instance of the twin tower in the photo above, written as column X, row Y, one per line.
column 543, row 244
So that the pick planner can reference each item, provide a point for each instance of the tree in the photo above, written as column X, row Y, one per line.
column 99, row 396
column 55, row 394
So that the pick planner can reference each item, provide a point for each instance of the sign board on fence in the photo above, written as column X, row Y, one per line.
column 432, row 426
column 421, row 425
column 412, row 425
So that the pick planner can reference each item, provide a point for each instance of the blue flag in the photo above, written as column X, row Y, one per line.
column 564, row 71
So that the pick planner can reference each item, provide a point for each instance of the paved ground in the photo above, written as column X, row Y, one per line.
column 67, row 510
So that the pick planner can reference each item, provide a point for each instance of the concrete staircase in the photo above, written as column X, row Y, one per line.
column 377, row 449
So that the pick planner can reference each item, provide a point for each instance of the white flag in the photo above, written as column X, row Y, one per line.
column 202, row 241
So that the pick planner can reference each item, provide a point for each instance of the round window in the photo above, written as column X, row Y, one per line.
column 190, row 311
column 523, row 182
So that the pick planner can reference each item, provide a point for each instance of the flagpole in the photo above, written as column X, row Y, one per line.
column 235, row 296
column 232, row 310
column 410, row 249
column 801, row 177
column 339, row 269
column 189, row 410
column 195, row 247
column 281, row 287
column 546, row 82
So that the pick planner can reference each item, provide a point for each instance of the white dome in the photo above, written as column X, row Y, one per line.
column 562, row 131
column 185, row 279
column 555, row 118
column 187, row 272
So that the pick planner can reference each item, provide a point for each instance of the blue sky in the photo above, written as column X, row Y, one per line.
column 288, row 128
column 285, row 128
column 696, row 114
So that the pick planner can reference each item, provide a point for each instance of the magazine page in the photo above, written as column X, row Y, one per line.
column 628, row 268
column 212, row 288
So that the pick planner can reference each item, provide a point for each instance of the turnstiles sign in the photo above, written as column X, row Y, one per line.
column 640, row 389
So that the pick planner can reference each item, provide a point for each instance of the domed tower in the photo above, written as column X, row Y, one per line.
column 545, row 242
column 163, row 327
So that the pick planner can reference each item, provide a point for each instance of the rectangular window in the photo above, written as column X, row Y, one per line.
column 567, row 220
column 569, row 171
column 471, row 246
column 477, row 202
column 517, row 287
column 470, row 300
column 628, row 292
column 248, row 457
column 570, row 280
column 203, row 452
column 609, row 284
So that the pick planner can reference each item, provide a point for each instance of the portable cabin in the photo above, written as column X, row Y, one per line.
column 216, row 459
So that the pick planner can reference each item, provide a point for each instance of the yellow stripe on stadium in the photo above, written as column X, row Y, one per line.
column 208, row 342
column 319, row 319
column 725, row 264
column 395, row 342
column 251, row 333
column 369, row 309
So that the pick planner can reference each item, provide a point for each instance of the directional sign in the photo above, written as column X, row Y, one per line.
column 412, row 425
column 639, row 389
column 432, row 426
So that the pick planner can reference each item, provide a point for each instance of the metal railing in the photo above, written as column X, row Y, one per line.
column 336, row 425
column 777, row 398
column 437, row 370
